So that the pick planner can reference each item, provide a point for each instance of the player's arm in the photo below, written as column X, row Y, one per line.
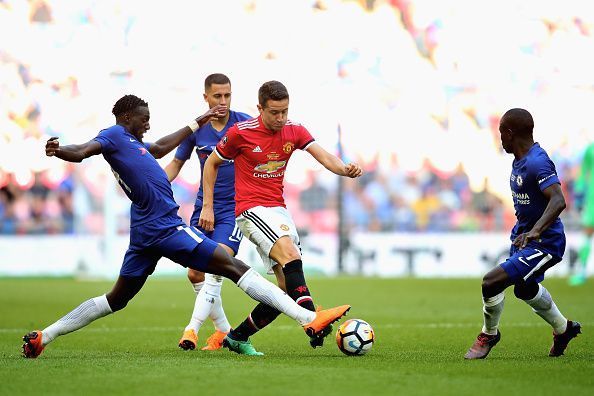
column 72, row 152
column 556, row 205
column 163, row 146
column 333, row 163
column 209, row 176
column 172, row 169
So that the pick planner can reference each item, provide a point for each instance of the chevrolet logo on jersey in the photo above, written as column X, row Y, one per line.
column 270, row 166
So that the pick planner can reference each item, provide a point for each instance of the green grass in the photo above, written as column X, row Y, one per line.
column 423, row 328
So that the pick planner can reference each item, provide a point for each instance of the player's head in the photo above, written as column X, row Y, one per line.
column 217, row 90
column 273, row 105
column 516, row 125
column 133, row 113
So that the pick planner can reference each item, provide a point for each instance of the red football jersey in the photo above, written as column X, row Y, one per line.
column 261, row 158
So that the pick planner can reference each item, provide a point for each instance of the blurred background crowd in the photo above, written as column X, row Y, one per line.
column 413, row 88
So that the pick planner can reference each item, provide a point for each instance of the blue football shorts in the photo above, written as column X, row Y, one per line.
column 528, row 264
column 225, row 230
column 182, row 244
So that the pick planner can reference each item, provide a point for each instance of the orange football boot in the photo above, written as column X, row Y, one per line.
column 33, row 345
column 324, row 318
column 188, row 341
column 215, row 341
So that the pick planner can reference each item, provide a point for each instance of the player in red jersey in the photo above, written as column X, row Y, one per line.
column 261, row 148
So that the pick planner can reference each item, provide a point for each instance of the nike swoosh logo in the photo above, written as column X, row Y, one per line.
column 132, row 140
column 201, row 147
column 522, row 260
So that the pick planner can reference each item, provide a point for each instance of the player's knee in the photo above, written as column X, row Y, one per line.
column 488, row 283
column 195, row 276
column 525, row 291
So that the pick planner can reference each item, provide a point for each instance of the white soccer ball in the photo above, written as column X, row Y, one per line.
column 355, row 337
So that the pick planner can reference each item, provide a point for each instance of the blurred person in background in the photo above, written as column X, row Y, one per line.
column 538, row 239
column 208, row 303
column 261, row 148
column 584, row 189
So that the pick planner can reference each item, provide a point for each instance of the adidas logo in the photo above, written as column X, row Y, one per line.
column 257, row 150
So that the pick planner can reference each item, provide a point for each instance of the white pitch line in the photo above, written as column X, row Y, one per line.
column 286, row 327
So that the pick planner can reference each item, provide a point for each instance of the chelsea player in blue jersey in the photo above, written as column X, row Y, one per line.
column 156, row 230
column 208, row 303
column 538, row 239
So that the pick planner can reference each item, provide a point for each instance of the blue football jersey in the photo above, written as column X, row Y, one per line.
column 204, row 140
column 530, row 176
column 138, row 174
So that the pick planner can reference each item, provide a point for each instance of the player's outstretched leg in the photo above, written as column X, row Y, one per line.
column 87, row 312
column 560, row 341
column 260, row 289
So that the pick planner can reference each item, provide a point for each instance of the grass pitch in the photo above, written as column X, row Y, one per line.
column 423, row 328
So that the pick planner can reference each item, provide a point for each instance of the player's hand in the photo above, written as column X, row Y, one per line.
column 206, row 221
column 216, row 112
column 523, row 239
column 353, row 170
column 51, row 146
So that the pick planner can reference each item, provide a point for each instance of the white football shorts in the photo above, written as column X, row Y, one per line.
column 264, row 226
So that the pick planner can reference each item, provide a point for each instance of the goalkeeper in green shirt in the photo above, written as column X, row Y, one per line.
column 584, row 189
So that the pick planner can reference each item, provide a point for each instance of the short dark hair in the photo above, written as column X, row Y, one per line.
column 519, row 121
column 216, row 78
column 272, row 90
column 127, row 103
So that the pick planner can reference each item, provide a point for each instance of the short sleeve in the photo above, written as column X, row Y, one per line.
column 107, row 138
column 184, row 151
column 304, row 138
column 228, row 147
column 546, row 174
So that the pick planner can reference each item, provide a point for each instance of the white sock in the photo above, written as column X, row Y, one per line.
column 217, row 313
column 79, row 317
column 202, row 307
column 492, row 309
column 266, row 292
column 197, row 287
column 544, row 306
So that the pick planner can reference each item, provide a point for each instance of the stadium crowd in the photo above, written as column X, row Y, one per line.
column 418, row 108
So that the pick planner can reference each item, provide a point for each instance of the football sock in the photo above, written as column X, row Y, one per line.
column 492, row 309
column 258, row 288
column 296, row 287
column 259, row 318
column 79, row 317
column 544, row 306
column 202, row 306
column 214, row 284
column 197, row 287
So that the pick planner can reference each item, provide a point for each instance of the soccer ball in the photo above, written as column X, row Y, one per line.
column 355, row 337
